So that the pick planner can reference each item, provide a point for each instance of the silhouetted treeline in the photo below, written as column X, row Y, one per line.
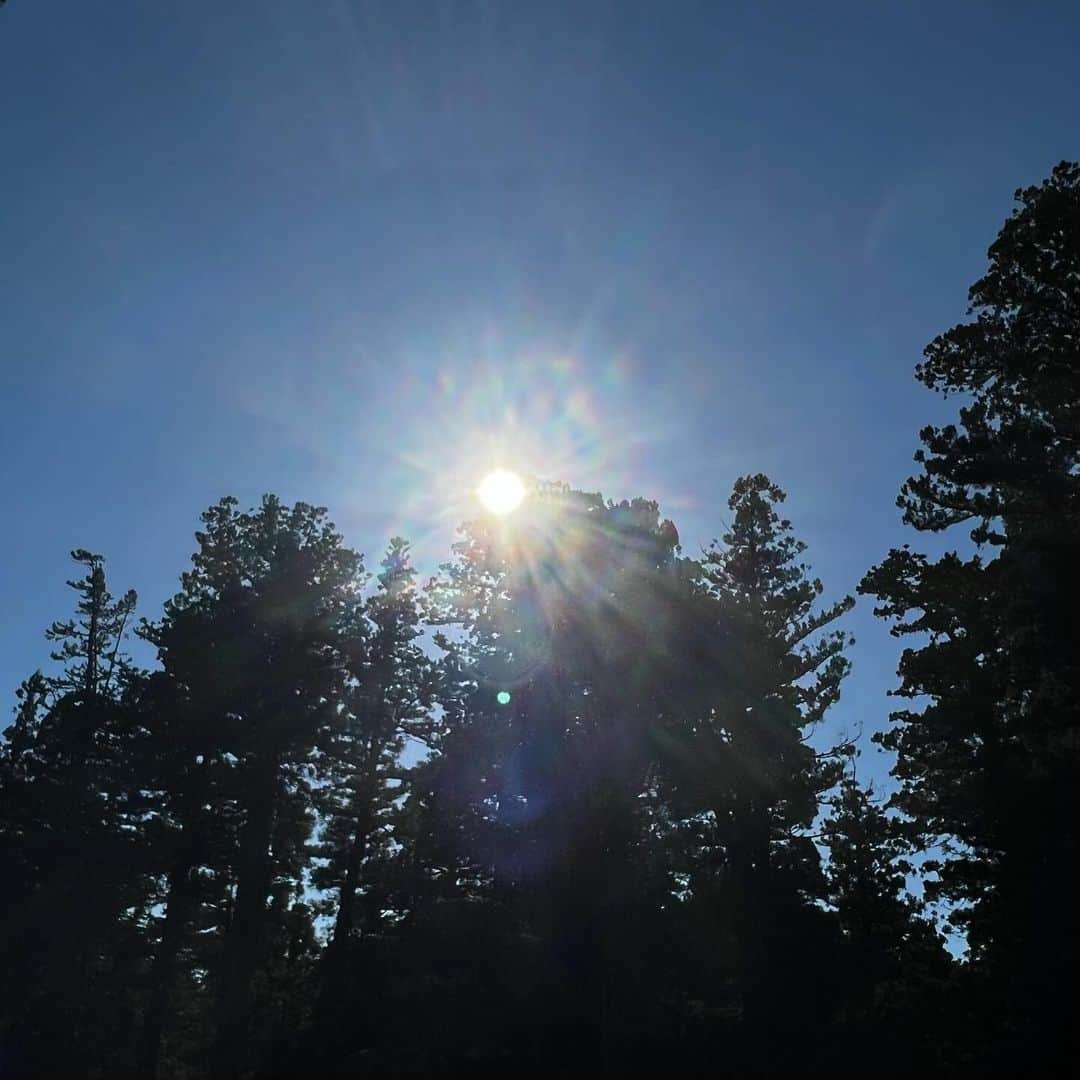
column 565, row 808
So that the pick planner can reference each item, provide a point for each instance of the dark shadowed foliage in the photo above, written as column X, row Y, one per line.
column 988, row 754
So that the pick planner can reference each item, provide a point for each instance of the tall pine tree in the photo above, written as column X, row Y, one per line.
column 255, row 647
column 562, row 652
column 388, row 703
column 988, row 752
column 744, row 777
column 75, row 897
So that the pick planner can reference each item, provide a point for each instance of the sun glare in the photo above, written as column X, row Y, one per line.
column 501, row 491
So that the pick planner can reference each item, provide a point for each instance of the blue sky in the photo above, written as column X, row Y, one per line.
column 353, row 253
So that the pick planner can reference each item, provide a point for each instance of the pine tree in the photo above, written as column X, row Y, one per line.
column 89, row 647
column 561, row 649
column 388, row 702
column 191, row 837
column 869, row 864
column 899, row 984
column 69, row 826
column 744, row 777
column 987, row 753
column 254, row 649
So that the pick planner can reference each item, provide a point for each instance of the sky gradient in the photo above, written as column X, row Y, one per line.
column 358, row 254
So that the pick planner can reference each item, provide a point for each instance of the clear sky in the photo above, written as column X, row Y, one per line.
column 358, row 253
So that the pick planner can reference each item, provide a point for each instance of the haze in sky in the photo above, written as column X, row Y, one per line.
column 360, row 254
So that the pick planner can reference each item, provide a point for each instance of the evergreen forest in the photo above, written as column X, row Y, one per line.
column 566, row 805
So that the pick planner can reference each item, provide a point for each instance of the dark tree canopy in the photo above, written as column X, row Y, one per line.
column 987, row 753
column 74, row 895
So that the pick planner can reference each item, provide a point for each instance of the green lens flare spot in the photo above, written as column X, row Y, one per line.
column 503, row 697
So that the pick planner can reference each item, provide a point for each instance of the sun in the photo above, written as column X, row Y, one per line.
column 501, row 491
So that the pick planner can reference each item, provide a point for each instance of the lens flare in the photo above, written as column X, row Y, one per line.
column 501, row 491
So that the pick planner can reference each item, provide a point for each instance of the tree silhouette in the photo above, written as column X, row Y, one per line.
column 745, row 779
column 869, row 862
column 564, row 809
column 898, row 981
column 74, row 896
column 387, row 702
column 255, row 647
column 566, row 624
column 990, row 763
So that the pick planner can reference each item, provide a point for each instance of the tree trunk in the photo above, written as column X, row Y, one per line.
column 749, row 860
column 345, row 920
column 178, row 907
column 336, row 964
column 242, row 945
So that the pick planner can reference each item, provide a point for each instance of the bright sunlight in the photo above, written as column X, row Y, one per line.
column 501, row 491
